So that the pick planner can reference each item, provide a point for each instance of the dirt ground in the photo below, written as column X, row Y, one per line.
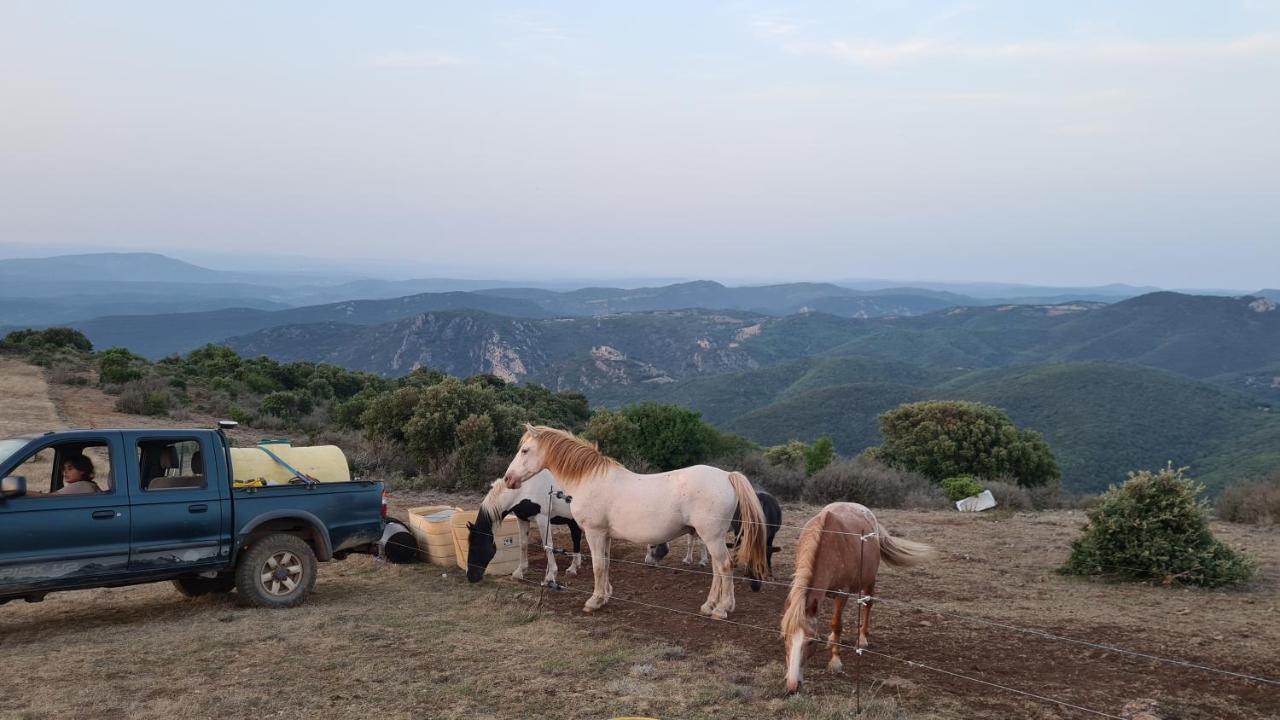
column 998, row 568
column 417, row 641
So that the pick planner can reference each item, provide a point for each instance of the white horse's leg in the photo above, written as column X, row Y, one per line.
column 523, row 534
column 598, row 546
column 544, row 528
column 722, row 566
column 691, row 538
column 703, row 563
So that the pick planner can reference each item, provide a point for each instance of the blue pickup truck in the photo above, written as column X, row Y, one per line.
column 104, row 508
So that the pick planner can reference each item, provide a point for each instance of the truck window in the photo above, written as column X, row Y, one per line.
column 46, row 468
column 171, row 464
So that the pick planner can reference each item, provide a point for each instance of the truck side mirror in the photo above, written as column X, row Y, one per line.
column 13, row 486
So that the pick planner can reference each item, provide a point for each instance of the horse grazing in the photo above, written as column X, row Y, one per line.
column 837, row 554
column 772, row 521
column 611, row 501
column 539, row 498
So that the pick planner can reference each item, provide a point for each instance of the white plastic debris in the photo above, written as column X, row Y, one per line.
column 977, row 503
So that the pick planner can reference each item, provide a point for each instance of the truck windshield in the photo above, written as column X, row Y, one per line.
column 9, row 446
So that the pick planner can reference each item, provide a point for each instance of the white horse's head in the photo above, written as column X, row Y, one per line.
column 529, row 460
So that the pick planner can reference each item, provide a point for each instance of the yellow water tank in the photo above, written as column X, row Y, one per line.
column 431, row 525
column 506, row 536
column 325, row 463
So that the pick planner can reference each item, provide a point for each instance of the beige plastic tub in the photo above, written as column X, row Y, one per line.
column 325, row 463
column 430, row 524
column 505, row 536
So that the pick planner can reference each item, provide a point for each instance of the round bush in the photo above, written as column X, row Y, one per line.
column 1156, row 527
column 961, row 487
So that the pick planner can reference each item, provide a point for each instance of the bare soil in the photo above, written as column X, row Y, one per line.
column 27, row 406
column 999, row 568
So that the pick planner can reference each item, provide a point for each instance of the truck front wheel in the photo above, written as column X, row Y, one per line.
column 277, row 571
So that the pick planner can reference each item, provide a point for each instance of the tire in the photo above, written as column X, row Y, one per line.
column 277, row 571
column 196, row 586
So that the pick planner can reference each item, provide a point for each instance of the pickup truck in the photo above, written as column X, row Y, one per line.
column 105, row 508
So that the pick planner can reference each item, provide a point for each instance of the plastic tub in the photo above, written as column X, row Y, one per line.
column 430, row 524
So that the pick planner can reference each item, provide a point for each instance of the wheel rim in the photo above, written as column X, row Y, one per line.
column 281, row 573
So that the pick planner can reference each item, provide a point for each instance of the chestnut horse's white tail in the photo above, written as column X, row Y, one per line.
column 897, row 551
column 753, row 553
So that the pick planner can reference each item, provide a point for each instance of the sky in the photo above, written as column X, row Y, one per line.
column 1071, row 143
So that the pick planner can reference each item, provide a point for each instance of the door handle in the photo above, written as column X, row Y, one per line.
column 198, row 508
column 103, row 514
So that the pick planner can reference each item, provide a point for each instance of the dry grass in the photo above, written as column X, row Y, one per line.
column 27, row 407
column 375, row 641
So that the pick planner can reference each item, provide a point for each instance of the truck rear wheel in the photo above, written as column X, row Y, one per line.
column 197, row 586
column 277, row 571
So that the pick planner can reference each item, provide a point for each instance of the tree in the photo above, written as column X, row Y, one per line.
column 387, row 415
column 941, row 439
column 669, row 437
column 615, row 435
column 819, row 455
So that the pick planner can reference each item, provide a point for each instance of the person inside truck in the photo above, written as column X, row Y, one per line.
column 77, row 476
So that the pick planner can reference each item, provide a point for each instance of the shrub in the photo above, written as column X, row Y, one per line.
column 942, row 439
column 1010, row 496
column 781, row 481
column 871, row 483
column 1256, row 503
column 791, row 455
column 819, row 455
column 961, row 487
column 148, row 396
column 1156, row 526
column 287, row 405
column 117, row 366
column 56, row 338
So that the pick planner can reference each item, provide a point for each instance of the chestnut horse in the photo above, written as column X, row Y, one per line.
column 837, row 555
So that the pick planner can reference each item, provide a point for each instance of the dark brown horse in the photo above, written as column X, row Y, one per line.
column 837, row 555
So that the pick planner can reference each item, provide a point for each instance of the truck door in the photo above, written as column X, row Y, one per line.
column 61, row 532
column 176, row 502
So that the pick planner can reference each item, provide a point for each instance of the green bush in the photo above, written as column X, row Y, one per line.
column 56, row 338
column 1256, row 503
column 117, row 366
column 819, row 455
column 961, row 487
column 287, row 405
column 942, row 439
column 1156, row 527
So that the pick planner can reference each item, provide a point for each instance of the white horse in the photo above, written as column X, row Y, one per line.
column 611, row 501
column 539, row 498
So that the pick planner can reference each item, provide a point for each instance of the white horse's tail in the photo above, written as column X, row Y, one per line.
column 897, row 551
column 753, row 551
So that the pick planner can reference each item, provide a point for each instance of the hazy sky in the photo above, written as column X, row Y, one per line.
column 1066, row 143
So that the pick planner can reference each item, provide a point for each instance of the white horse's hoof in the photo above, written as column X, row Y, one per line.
column 572, row 571
column 518, row 574
column 835, row 665
column 706, row 608
column 594, row 602
column 720, row 614
column 687, row 561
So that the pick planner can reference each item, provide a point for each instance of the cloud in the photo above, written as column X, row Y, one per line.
column 415, row 59
column 774, row 28
column 927, row 49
